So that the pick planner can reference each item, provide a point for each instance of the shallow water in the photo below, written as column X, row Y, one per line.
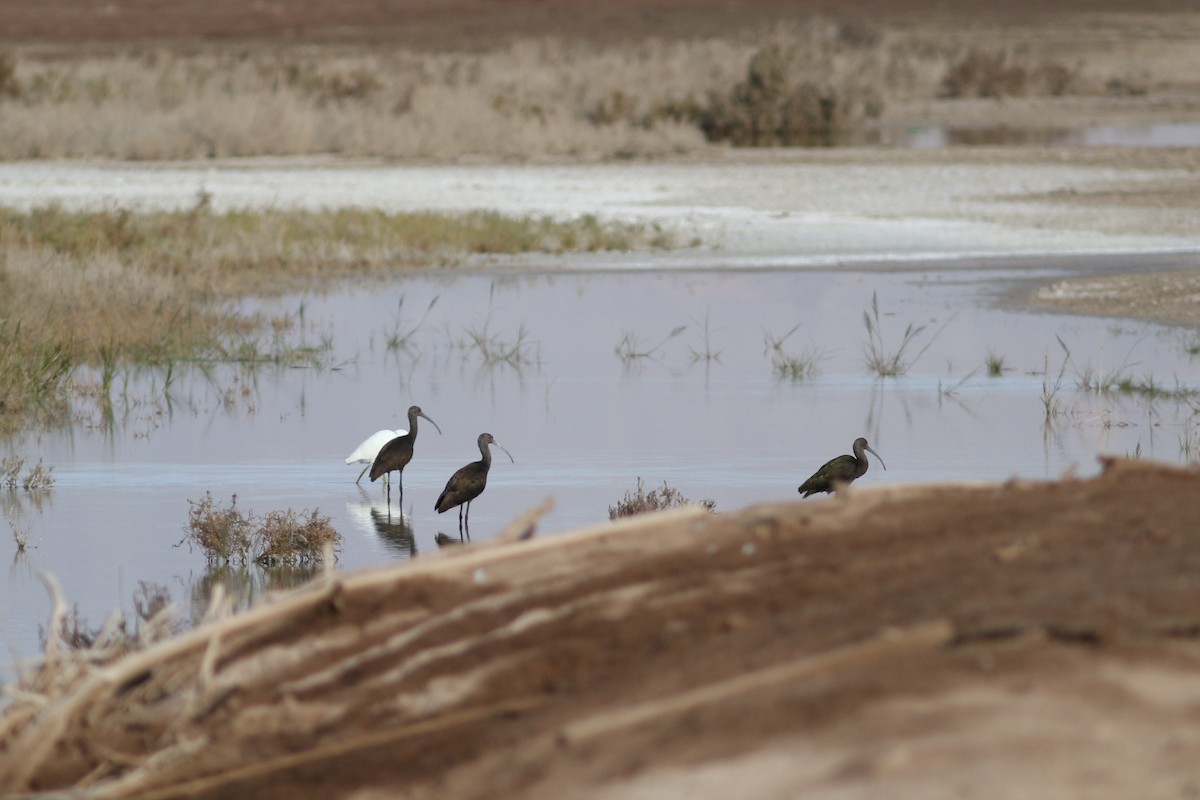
column 704, row 411
column 1160, row 134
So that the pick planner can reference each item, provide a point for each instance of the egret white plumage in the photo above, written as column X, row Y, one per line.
column 365, row 453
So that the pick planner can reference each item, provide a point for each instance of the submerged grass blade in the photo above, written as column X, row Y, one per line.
column 885, row 361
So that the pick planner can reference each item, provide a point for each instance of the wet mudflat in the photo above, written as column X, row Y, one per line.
column 590, row 380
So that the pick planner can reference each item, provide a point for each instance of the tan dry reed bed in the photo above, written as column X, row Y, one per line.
column 533, row 98
column 624, row 644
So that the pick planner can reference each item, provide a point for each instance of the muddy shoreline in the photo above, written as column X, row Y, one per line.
column 1125, row 227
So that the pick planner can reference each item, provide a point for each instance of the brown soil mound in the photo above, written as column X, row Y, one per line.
column 1026, row 639
column 468, row 23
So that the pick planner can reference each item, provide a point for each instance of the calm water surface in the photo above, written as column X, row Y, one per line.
column 704, row 411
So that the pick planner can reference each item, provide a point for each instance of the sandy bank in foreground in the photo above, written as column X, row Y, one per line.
column 1027, row 639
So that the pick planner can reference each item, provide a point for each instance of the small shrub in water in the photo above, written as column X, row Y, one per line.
column 290, row 537
column 10, row 469
column 281, row 537
column 36, row 477
column 224, row 534
column 641, row 502
column 776, row 105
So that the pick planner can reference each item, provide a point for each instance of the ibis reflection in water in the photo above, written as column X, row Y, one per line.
column 468, row 483
column 366, row 452
column 841, row 470
column 379, row 522
column 396, row 454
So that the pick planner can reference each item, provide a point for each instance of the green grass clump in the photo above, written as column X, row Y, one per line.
column 994, row 362
column 223, row 255
column 791, row 366
column 35, row 377
column 883, row 360
column 641, row 502
column 631, row 348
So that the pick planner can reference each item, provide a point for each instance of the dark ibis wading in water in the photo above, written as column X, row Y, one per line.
column 395, row 455
column 468, row 483
column 840, row 470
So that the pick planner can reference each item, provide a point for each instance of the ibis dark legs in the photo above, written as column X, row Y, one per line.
column 464, row 520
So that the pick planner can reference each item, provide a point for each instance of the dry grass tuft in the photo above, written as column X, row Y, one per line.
column 1000, row 73
column 290, row 537
column 39, row 476
column 226, row 535
column 777, row 104
column 641, row 502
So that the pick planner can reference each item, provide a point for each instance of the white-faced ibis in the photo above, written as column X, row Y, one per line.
column 468, row 483
column 365, row 453
column 395, row 455
column 840, row 470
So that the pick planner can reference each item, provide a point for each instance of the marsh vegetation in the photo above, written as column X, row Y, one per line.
column 112, row 288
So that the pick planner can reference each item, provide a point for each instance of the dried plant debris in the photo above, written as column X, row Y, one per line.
column 39, row 476
column 278, row 538
column 640, row 501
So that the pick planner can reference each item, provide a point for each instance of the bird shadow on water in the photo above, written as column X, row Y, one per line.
column 395, row 532
column 374, row 516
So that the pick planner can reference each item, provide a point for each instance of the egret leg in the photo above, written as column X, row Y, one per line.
column 364, row 472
